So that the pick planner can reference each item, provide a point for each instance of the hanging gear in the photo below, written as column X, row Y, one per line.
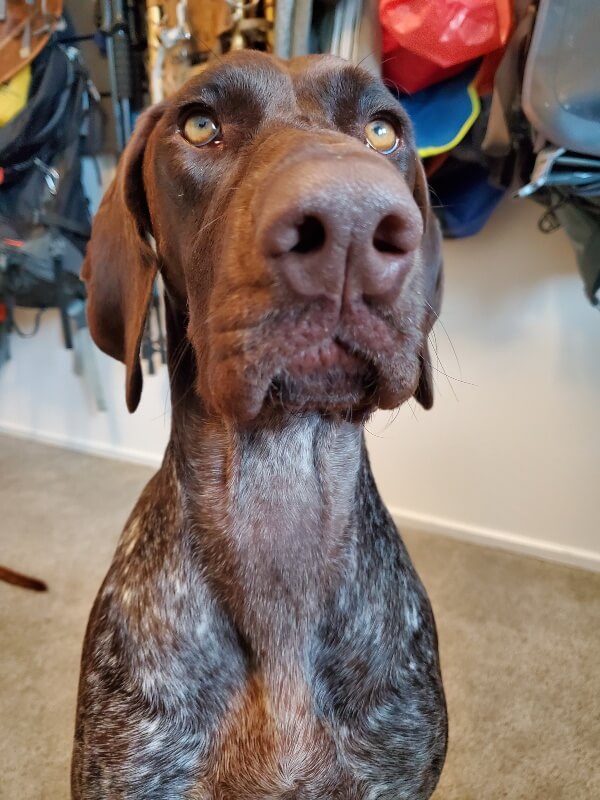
column 44, row 217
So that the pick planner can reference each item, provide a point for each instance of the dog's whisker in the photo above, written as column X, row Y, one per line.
column 212, row 222
column 365, row 58
column 451, row 343
column 432, row 192
column 452, row 377
column 411, row 406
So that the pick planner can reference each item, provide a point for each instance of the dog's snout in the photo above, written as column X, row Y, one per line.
column 343, row 228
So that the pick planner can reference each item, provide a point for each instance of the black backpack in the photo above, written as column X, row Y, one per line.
column 44, row 215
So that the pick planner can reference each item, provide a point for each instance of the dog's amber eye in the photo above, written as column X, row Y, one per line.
column 381, row 136
column 200, row 129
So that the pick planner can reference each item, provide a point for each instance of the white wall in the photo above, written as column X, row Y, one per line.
column 510, row 456
column 41, row 397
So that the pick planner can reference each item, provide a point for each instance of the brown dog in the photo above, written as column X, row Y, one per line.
column 261, row 633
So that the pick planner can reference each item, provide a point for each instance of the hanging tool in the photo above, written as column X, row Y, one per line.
column 115, row 28
column 246, row 27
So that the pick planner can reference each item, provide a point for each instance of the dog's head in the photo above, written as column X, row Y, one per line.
column 293, row 231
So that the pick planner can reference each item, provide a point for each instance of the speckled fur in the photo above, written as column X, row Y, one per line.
column 261, row 633
column 200, row 685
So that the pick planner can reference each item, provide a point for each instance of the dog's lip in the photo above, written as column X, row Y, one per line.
column 326, row 377
column 324, row 357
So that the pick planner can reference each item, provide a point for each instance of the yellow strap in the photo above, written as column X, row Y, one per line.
column 14, row 94
column 426, row 152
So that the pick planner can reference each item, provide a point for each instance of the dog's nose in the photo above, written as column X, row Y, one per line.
column 342, row 227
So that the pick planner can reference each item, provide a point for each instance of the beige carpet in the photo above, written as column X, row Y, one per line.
column 519, row 640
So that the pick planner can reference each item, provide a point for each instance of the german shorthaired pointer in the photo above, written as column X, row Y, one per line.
column 261, row 633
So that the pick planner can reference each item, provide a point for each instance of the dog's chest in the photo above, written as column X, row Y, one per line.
column 270, row 746
column 344, row 703
column 327, row 725
column 359, row 716
column 283, row 747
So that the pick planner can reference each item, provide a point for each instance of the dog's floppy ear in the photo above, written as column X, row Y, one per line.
column 431, row 253
column 120, row 264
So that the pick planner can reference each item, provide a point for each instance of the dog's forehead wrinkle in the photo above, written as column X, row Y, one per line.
column 283, row 91
column 238, row 83
column 340, row 99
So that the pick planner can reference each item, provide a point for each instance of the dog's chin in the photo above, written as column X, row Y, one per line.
column 330, row 394
column 329, row 379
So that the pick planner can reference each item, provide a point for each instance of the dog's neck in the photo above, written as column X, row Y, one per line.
column 270, row 509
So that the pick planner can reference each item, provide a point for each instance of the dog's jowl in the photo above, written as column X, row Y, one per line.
column 261, row 633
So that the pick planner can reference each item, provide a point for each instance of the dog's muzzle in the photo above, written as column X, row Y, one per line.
column 335, row 236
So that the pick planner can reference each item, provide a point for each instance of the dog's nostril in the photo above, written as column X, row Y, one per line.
column 311, row 236
column 389, row 234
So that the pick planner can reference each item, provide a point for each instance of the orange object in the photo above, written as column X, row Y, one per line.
column 24, row 33
column 484, row 80
column 426, row 41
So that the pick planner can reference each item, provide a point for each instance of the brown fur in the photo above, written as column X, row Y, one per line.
column 261, row 633
column 24, row 581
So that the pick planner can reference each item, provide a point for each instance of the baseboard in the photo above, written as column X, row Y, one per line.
column 488, row 537
column 83, row 445
column 501, row 540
